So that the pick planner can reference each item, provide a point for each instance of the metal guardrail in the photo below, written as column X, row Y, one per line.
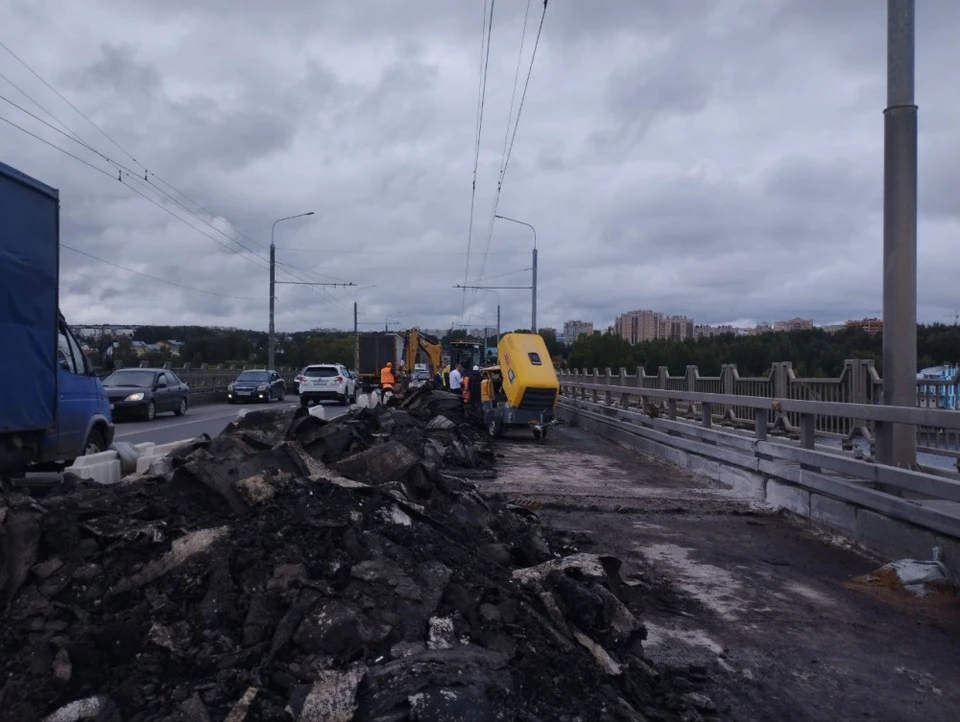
column 859, row 383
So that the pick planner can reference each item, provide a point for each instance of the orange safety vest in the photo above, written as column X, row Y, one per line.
column 386, row 377
column 466, row 389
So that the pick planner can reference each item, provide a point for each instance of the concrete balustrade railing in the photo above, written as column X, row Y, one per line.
column 859, row 383
column 780, row 456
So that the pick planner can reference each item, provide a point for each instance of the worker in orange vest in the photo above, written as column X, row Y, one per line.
column 387, row 378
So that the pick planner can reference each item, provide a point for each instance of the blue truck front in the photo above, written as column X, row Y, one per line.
column 54, row 407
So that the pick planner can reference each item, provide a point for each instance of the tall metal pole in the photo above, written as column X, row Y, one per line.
column 356, row 340
column 533, row 322
column 271, row 343
column 533, row 319
column 897, row 443
column 273, row 295
column 498, row 321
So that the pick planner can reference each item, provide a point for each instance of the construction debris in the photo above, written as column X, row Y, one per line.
column 295, row 568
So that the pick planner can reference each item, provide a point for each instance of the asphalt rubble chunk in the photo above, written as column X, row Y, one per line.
column 294, row 568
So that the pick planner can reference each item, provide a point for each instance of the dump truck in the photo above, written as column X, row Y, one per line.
column 374, row 350
column 54, row 407
column 521, row 391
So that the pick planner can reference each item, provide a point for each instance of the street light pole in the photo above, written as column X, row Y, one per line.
column 533, row 321
column 897, row 443
column 356, row 330
column 271, row 344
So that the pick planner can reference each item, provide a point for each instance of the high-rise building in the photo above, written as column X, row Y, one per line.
column 637, row 326
column 794, row 324
column 676, row 328
column 572, row 330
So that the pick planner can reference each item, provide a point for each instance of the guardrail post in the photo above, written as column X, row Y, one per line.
column 760, row 424
column 808, row 430
column 596, row 379
column 186, row 367
column 692, row 373
column 672, row 409
column 706, row 414
column 608, row 394
column 624, row 396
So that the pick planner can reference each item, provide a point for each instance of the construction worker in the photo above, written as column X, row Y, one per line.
column 456, row 380
column 387, row 377
column 475, row 379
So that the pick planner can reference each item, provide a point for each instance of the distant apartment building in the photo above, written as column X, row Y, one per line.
column 676, row 328
column 707, row 331
column 794, row 324
column 870, row 325
column 572, row 330
column 636, row 326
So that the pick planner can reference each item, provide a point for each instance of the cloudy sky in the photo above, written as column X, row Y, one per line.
column 720, row 159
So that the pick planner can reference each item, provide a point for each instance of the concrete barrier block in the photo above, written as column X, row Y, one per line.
column 157, row 452
column 836, row 514
column 93, row 459
column 104, row 472
column 892, row 538
column 744, row 483
column 789, row 497
column 950, row 549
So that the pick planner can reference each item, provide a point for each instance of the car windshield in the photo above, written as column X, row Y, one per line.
column 133, row 377
column 321, row 372
column 252, row 376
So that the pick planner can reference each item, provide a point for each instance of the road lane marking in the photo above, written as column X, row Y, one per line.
column 150, row 428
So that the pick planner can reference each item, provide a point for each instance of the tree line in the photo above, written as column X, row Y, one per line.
column 814, row 353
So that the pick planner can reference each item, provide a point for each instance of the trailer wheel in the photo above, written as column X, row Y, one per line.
column 495, row 428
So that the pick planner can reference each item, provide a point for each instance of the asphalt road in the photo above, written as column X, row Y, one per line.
column 200, row 419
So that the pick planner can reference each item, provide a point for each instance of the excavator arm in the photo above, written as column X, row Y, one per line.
column 416, row 342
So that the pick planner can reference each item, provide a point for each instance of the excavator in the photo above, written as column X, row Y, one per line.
column 416, row 342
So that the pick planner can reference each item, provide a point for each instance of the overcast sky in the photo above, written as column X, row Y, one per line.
column 719, row 159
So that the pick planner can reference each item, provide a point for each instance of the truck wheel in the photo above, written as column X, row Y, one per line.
column 151, row 413
column 181, row 409
column 494, row 428
column 95, row 443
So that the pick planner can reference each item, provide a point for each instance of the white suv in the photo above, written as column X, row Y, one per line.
column 327, row 381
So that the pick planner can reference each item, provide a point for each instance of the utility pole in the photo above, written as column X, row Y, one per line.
column 533, row 285
column 356, row 340
column 897, row 443
column 533, row 321
column 271, row 344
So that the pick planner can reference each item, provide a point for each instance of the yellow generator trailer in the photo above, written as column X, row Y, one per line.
column 522, row 390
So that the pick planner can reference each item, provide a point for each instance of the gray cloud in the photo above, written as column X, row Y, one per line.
column 722, row 160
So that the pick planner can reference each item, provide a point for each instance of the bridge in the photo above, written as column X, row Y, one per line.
column 805, row 445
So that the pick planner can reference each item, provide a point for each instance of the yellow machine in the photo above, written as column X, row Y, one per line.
column 417, row 342
column 522, row 391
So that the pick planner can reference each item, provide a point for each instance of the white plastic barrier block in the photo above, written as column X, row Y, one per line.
column 93, row 459
column 156, row 452
column 105, row 471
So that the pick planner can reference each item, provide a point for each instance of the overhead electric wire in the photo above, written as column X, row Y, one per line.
column 486, row 33
column 516, row 125
column 71, row 135
column 65, row 100
column 156, row 278
column 147, row 172
column 76, row 138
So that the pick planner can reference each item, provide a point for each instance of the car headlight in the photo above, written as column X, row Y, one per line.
column 135, row 397
column 262, row 387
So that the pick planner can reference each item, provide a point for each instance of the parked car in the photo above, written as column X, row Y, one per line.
column 327, row 381
column 256, row 385
column 146, row 393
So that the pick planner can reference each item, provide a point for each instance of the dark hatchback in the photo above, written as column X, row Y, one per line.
column 256, row 385
column 146, row 393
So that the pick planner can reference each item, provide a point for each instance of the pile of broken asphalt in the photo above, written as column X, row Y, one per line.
column 298, row 569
